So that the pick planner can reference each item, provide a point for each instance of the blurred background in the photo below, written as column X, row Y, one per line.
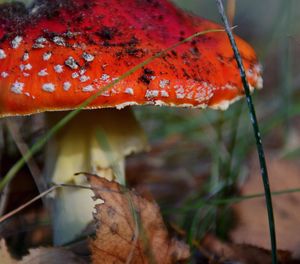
column 203, row 168
column 204, row 158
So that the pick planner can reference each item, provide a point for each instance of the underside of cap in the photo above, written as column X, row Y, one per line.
column 57, row 54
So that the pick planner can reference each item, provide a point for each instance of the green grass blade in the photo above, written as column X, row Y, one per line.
column 225, row 201
column 256, row 130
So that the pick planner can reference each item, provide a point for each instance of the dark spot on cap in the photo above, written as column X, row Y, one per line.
column 107, row 33
column 146, row 79
column 160, row 17
column 147, row 76
column 119, row 54
column 79, row 18
column 194, row 42
column 174, row 53
column 185, row 73
column 133, row 41
column 139, row 53
column 148, row 71
column 195, row 51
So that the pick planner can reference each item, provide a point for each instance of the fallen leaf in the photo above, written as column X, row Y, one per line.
column 41, row 256
column 243, row 254
column 27, row 224
column 130, row 228
column 5, row 256
column 252, row 227
column 51, row 256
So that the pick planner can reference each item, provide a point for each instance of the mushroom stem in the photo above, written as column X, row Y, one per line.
column 94, row 142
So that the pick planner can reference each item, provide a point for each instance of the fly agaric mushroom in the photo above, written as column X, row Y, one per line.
column 56, row 54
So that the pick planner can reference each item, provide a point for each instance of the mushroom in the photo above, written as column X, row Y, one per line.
column 56, row 54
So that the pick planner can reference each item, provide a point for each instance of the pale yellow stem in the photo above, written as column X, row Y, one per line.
column 95, row 141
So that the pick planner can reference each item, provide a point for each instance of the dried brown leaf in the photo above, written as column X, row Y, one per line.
column 244, row 254
column 5, row 256
column 40, row 256
column 130, row 229
column 51, row 255
column 252, row 225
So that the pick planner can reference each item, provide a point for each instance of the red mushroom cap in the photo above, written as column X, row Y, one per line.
column 57, row 54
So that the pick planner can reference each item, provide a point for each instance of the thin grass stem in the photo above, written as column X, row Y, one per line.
column 256, row 130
